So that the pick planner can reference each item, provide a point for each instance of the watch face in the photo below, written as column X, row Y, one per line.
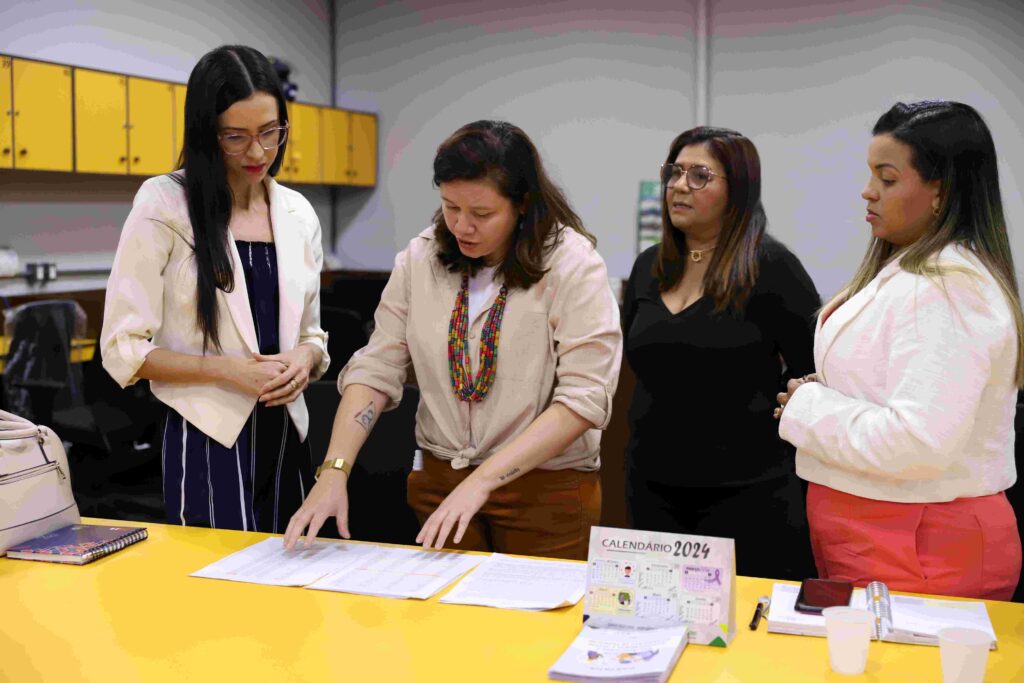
column 334, row 464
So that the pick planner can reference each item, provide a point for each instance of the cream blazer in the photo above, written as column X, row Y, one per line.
column 151, row 302
column 560, row 342
column 916, row 400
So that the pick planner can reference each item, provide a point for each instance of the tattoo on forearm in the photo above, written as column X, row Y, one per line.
column 365, row 417
column 511, row 473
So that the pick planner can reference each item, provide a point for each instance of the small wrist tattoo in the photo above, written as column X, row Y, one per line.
column 511, row 473
column 365, row 418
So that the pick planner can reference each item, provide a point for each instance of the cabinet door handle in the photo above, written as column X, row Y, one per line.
column 7, row 150
column 122, row 160
column 135, row 160
column 23, row 152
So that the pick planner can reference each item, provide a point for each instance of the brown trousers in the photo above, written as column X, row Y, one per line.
column 544, row 512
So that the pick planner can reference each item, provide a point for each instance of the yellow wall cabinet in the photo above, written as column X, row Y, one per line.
column 123, row 124
column 337, row 148
column 179, row 120
column 101, row 122
column 41, row 114
column 6, row 114
column 302, row 164
column 150, row 127
column 349, row 148
column 364, row 150
column 129, row 125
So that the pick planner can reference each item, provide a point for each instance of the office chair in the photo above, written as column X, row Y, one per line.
column 38, row 374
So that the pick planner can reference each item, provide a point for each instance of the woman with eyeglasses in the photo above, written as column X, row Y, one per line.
column 214, row 296
column 715, row 319
column 502, row 311
column 907, row 436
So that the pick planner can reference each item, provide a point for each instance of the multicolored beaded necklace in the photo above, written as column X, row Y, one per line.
column 459, row 368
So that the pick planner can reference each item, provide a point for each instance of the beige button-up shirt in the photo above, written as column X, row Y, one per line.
column 560, row 342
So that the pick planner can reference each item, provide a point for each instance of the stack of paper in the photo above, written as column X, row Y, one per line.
column 346, row 567
column 616, row 654
column 398, row 573
column 519, row 583
column 268, row 563
column 911, row 619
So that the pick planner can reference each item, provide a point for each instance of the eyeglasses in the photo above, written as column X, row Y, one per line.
column 238, row 143
column 697, row 177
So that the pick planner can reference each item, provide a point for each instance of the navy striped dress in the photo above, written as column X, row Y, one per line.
column 258, row 483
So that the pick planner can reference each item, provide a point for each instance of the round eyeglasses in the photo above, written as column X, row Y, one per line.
column 697, row 177
column 238, row 143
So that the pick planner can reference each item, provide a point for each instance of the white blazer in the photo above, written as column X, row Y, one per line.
column 917, row 394
column 151, row 302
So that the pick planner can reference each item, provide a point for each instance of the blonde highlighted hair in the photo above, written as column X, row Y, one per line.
column 950, row 143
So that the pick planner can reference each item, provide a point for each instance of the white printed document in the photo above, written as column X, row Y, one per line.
column 398, row 573
column 898, row 618
column 268, row 563
column 520, row 583
column 616, row 654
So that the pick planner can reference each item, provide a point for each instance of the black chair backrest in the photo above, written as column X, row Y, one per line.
column 38, row 365
column 346, row 332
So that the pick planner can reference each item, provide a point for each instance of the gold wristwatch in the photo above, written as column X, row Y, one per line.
column 334, row 464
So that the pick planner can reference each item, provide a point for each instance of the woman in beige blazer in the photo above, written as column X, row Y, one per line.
column 907, row 435
column 214, row 298
column 503, row 312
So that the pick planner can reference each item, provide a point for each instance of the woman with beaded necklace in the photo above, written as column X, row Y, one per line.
column 507, row 279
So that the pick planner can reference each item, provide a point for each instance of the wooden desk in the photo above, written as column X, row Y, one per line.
column 82, row 350
column 137, row 616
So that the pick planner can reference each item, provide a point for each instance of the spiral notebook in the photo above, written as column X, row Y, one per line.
column 78, row 543
column 898, row 618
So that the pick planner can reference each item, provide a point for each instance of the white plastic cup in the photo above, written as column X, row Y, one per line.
column 849, row 632
column 964, row 653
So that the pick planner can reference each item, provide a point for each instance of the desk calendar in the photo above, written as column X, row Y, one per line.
column 646, row 579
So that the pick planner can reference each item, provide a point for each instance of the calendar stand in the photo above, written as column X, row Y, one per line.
column 647, row 579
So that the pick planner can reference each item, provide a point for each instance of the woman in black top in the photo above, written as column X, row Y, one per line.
column 717, row 318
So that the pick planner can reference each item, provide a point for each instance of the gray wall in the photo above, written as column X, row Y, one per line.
column 600, row 89
column 76, row 219
column 807, row 83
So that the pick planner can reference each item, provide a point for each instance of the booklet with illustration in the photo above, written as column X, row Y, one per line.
column 898, row 618
column 615, row 654
column 78, row 543
column 648, row 594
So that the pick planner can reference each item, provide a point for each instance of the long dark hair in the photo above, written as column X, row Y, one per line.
column 732, row 272
column 950, row 142
column 505, row 155
column 221, row 77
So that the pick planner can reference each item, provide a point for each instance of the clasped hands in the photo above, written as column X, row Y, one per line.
column 278, row 378
column 791, row 387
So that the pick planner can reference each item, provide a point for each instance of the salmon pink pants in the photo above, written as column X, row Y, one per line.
column 967, row 547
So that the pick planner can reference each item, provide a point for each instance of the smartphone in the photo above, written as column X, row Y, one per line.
column 817, row 594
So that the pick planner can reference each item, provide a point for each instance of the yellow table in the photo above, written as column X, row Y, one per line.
column 137, row 616
column 82, row 350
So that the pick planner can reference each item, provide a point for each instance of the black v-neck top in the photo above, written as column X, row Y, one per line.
column 701, row 414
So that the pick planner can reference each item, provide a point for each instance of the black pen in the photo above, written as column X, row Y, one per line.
column 762, row 607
